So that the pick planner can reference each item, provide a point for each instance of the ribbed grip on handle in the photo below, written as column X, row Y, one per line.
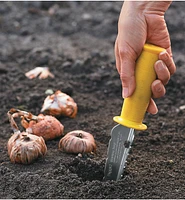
column 134, row 107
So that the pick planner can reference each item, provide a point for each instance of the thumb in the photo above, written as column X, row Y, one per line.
column 127, row 75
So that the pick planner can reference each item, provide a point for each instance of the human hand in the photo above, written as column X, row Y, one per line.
column 140, row 23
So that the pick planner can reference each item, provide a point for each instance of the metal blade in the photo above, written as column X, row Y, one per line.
column 119, row 146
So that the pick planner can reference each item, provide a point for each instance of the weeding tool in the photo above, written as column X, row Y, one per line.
column 132, row 114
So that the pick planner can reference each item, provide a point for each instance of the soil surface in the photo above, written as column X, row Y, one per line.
column 76, row 41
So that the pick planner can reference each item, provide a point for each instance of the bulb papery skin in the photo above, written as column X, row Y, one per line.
column 24, row 148
column 47, row 126
column 78, row 141
column 58, row 104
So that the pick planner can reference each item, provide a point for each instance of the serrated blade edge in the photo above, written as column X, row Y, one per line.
column 118, row 150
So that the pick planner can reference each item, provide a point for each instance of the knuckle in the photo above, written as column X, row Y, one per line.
column 165, row 79
column 127, row 51
column 172, row 68
column 123, row 52
column 124, row 77
column 160, row 92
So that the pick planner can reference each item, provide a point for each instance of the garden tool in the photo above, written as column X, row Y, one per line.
column 132, row 114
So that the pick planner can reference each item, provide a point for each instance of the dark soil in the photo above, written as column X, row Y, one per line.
column 77, row 44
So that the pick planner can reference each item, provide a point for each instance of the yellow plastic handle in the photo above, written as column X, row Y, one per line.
column 134, row 107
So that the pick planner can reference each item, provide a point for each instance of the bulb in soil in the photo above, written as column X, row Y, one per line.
column 25, row 148
column 42, row 72
column 46, row 126
column 78, row 141
column 59, row 103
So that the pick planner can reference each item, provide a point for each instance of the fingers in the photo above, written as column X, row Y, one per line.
column 162, row 72
column 168, row 60
column 158, row 89
column 152, row 108
column 164, row 67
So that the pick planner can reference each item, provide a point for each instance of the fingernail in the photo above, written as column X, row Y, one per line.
column 125, row 92
column 157, row 86
column 156, row 111
column 164, row 55
column 160, row 65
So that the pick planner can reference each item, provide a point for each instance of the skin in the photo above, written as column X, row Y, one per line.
column 143, row 22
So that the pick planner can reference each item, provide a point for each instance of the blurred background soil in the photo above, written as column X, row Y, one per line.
column 76, row 41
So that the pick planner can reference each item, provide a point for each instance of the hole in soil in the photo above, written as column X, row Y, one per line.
column 87, row 168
